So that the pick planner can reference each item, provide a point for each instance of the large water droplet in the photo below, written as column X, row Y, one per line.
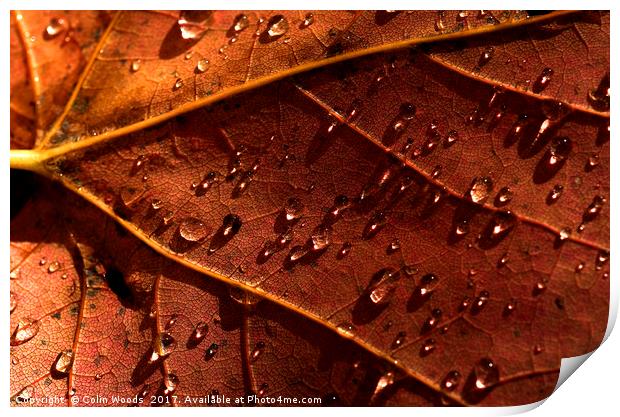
column 504, row 196
column 163, row 345
column 64, row 362
column 480, row 189
column 277, row 26
column 192, row 24
column 382, row 286
column 321, row 238
column 25, row 330
column 202, row 65
column 192, row 229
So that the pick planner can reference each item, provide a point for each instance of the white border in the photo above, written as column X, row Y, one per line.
column 593, row 390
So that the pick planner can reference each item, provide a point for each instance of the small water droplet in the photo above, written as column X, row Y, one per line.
column 399, row 340
column 461, row 228
column 296, row 253
column 258, row 350
column 381, row 286
column 480, row 301
column 580, row 266
column 321, row 238
column 504, row 195
column 13, row 302
column 510, row 307
column 486, row 374
column 42, row 261
column 211, row 351
column 55, row 27
column 198, row 334
column 593, row 161
column 192, row 229
column 503, row 260
column 53, row 267
column 178, row 84
column 427, row 285
column 293, row 209
column 559, row 150
column 25, row 330
column 486, row 56
column 601, row 259
column 202, row 65
column 135, row 65
column 374, row 225
column 428, row 347
column 64, row 362
column 543, row 80
column 386, row 380
column 231, row 224
column 452, row 137
column 308, row 20
column 540, row 287
column 451, row 381
column 345, row 249
column 341, row 203
column 555, row 193
column 595, row 207
column 564, row 233
column 599, row 97
column 170, row 382
column 98, row 376
column 393, row 246
column 240, row 23
column 480, row 189
column 277, row 26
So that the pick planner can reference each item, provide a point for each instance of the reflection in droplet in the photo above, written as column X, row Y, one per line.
column 277, row 26
column 374, row 225
column 293, row 209
column 135, row 65
column 25, row 330
column 486, row 56
column 564, row 233
column 64, row 362
column 555, row 193
column 480, row 189
column 211, row 351
column 240, row 23
column 504, row 195
column 53, row 267
column 601, row 259
column 56, row 26
column 202, row 65
column 192, row 24
column 451, row 381
column 258, row 350
column 198, row 334
column 170, row 383
column 231, row 224
column 192, row 229
column 543, row 80
column 428, row 347
column 308, row 20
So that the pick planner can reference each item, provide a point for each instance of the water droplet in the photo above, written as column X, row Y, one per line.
column 510, row 307
column 170, row 382
column 171, row 321
column 211, row 351
column 167, row 218
column 381, row 286
column 242, row 297
column 428, row 347
column 427, row 285
column 595, row 207
column 559, row 150
column 502, row 222
column 202, row 65
column 135, row 65
column 452, row 137
column 480, row 301
column 293, row 209
column 480, row 189
column 439, row 23
column 98, row 376
column 64, row 362
column 198, row 334
column 13, row 302
column 486, row 56
column 486, row 374
column 407, row 111
column 345, row 249
column 296, row 253
column 341, row 203
column 240, row 23
column 431, row 322
column 191, row 24
column 374, row 225
column 555, row 193
column 277, row 26
column 55, row 27
column 53, row 267
column 192, row 229
column 543, row 80
column 399, row 340
column 393, row 246
column 537, row 349
column 25, row 330
column 599, row 97
column 129, row 196
column 601, row 259
column 231, row 224
column 436, row 172
column 262, row 389
column 564, row 233
column 384, row 381
column 504, row 196
column 308, row 20
column 503, row 260
column 163, row 345
column 540, row 287
column 451, row 381
column 321, row 238
column 178, row 84
column 580, row 266
column 258, row 350
column 461, row 228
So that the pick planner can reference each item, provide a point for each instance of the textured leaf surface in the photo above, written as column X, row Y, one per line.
column 399, row 200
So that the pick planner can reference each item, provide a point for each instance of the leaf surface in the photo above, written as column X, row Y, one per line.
column 398, row 200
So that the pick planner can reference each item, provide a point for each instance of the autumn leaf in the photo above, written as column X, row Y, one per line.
column 367, row 208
